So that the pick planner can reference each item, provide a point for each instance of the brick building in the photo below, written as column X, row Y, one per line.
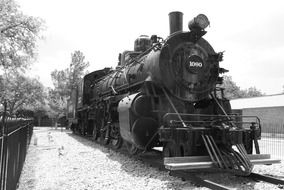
column 270, row 110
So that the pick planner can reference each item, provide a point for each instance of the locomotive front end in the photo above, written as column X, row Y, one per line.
column 190, row 68
column 199, row 122
column 188, row 63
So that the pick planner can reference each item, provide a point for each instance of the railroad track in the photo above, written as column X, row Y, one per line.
column 154, row 159
column 184, row 175
column 268, row 179
column 194, row 178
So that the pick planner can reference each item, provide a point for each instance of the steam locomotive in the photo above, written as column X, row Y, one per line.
column 166, row 93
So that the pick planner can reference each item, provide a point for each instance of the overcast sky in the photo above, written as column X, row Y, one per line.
column 250, row 32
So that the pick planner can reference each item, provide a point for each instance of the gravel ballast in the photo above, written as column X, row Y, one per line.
column 61, row 160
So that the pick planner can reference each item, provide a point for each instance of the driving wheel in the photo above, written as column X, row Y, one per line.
column 104, row 137
column 116, row 139
column 132, row 149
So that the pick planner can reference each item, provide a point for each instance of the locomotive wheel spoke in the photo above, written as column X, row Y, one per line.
column 117, row 142
column 132, row 149
column 116, row 139
column 103, row 136
column 96, row 133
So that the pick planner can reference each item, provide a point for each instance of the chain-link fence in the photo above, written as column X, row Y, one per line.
column 272, row 139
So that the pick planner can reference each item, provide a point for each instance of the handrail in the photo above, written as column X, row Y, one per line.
column 212, row 115
column 216, row 117
column 17, row 129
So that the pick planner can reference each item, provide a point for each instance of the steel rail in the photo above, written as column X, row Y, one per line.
column 266, row 178
column 199, row 181
column 184, row 175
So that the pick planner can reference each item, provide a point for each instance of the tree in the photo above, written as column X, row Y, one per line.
column 18, row 36
column 232, row 91
column 60, row 81
column 253, row 92
column 77, row 69
column 20, row 90
column 57, row 97
column 57, row 102
column 65, row 80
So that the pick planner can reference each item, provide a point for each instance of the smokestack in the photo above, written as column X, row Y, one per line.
column 175, row 19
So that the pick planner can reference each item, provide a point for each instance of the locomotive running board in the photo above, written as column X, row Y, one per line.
column 204, row 162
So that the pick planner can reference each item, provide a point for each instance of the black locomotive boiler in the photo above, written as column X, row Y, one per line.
column 166, row 93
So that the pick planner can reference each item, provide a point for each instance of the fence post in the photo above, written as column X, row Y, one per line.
column 3, row 149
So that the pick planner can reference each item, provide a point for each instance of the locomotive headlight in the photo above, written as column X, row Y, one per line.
column 199, row 22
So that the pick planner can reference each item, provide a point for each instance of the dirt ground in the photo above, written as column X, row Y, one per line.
column 61, row 160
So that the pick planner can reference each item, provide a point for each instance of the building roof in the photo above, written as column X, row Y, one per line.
column 276, row 100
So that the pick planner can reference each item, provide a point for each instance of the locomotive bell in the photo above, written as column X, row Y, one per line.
column 175, row 19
